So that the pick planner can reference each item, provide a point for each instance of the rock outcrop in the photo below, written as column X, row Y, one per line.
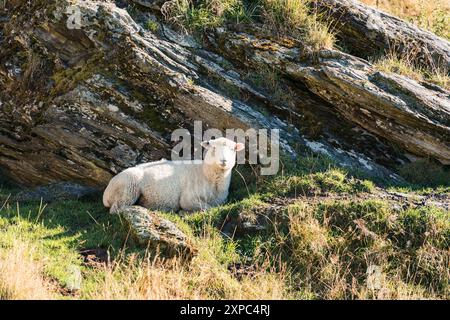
column 86, row 91
column 414, row 115
column 367, row 32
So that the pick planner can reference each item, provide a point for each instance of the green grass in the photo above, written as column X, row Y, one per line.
column 280, row 17
column 61, row 229
column 200, row 15
column 308, row 249
column 403, row 65
column 322, row 183
column 151, row 25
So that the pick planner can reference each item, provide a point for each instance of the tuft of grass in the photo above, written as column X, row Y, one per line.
column 196, row 16
column 321, row 183
column 392, row 63
column 309, row 238
column 151, row 25
column 319, row 35
column 21, row 275
column 281, row 17
column 293, row 18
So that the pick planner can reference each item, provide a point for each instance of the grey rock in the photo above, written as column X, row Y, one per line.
column 116, row 93
column 182, row 39
column 368, row 32
column 157, row 233
column 75, row 278
column 56, row 191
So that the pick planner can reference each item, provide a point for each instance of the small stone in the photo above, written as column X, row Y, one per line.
column 75, row 278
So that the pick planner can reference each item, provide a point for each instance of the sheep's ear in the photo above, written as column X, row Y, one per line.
column 206, row 144
column 239, row 146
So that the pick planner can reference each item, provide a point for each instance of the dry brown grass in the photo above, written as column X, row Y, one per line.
column 21, row 276
column 392, row 63
column 203, row 279
column 431, row 15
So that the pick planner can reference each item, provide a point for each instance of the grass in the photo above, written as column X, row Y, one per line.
column 194, row 16
column 21, row 275
column 293, row 18
column 321, row 183
column 393, row 63
column 62, row 229
column 430, row 15
column 151, row 25
column 323, row 240
column 281, row 17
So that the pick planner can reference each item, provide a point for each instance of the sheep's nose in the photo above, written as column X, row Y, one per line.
column 224, row 162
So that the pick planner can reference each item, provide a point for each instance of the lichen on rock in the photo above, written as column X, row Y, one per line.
column 157, row 233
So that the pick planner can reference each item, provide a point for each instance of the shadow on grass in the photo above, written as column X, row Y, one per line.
column 86, row 221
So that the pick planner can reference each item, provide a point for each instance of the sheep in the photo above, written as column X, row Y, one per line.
column 176, row 185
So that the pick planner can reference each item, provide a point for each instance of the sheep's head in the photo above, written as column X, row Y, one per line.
column 221, row 152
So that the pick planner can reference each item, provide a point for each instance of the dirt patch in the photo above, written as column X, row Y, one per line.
column 95, row 256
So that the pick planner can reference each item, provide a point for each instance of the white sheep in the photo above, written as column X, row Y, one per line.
column 174, row 185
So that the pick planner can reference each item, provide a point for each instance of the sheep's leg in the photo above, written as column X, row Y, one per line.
column 127, row 198
column 122, row 195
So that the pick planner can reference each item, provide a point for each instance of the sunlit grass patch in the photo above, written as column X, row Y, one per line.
column 283, row 18
column 403, row 65
column 322, row 183
column 22, row 274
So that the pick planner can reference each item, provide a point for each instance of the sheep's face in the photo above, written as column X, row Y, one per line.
column 221, row 152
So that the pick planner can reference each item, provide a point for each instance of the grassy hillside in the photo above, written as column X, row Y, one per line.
column 314, row 231
column 322, row 234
